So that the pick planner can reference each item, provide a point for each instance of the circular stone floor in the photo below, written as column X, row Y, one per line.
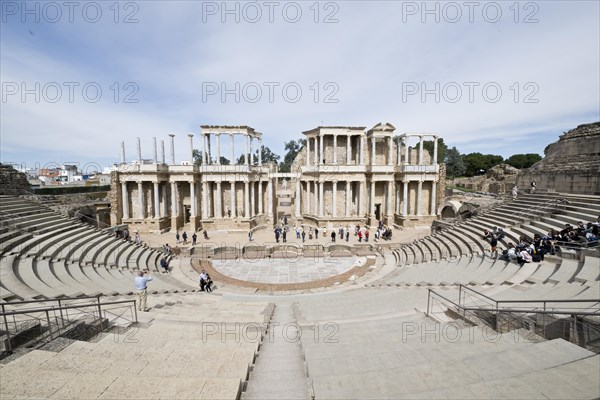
column 274, row 271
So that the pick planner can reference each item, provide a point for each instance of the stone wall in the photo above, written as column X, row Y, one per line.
column 498, row 179
column 13, row 182
column 570, row 165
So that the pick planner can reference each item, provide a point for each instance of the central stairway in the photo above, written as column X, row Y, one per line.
column 279, row 371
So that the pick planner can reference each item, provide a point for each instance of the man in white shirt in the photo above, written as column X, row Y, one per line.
column 141, row 285
column 202, row 278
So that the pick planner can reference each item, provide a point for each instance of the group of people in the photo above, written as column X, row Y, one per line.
column 183, row 238
column 205, row 282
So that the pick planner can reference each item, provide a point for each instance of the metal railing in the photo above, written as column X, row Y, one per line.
column 59, row 318
column 547, row 318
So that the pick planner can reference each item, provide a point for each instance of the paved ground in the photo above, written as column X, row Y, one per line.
column 284, row 271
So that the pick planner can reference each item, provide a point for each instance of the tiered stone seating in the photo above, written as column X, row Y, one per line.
column 171, row 355
column 45, row 255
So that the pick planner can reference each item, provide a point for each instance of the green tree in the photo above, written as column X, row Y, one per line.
column 442, row 149
column 523, row 160
column 454, row 163
column 477, row 162
column 198, row 160
column 292, row 147
column 266, row 154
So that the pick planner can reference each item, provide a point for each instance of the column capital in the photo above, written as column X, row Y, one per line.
column 190, row 134
column 172, row 134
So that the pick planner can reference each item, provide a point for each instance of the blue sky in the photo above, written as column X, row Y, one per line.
column 500, row 77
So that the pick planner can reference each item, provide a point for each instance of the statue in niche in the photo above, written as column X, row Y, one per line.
column 284, row 184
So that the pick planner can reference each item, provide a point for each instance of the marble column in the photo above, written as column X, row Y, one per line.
column 316, row 151
column 335, row 149
column 391, row 152
column 420, row 150
column 321, row 198
column 209, row 192
column 122, row 152
column 348, row 138
column 348, row 197
column 192, row 199
column 388, row 206
column 125, row 200
column 232, row 149
column 172, row 136
column 398, row 156
column 191, row 136
column 397, row 208
column 419, row 194
column 139, row 151
column 321, row 150
column 203, row 155
column 246, row 200
column 251, row 150
column 218, row 141
column 362, row 150
column 164, row 211
column 219, row 204
column 406, row 151
column 361, row 197
column 260, row 152
column 162, row 151
column 307, row 152
column 372, row 199
column 435, row 150
column 252, row 199
column 260, row 197
column 433, row 210
column 205, row 214
column 405, row 199
column 270, row 198
column 141, row 213
column 298, row 194
column 334, row 193
column 246, row 149
column 316, row 199
column 233, row 206
column 156, row 201
column 174, row 202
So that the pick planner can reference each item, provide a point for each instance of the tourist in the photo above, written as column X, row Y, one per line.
column 303, row 236
column 205, row 234
column 209, row 283
column 250, row 236
column 184, row 237
column 493, row 244
column 360, row 236
column 310, row 233
column 164, row 264
column 177, row 237
column 277, row 234
column 498, row 232
column 347, row 233
column 367, row 235
column 524, row 257
column 341, row 231
column 324, row 231
column 168, row 249
column 533, row 186
column 141, row 286
column 194, row 238
column 316, row 232
column 138, row 239
column 515, row 192
column 333, row 236
column 297, row 232
column 202, row 278
column 284, row 236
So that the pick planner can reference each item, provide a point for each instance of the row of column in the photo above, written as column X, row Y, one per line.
column 319, row 154
column 248, row 147
column 251, row 206
column 158, row 192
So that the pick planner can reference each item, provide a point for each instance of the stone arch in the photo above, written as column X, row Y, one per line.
column 450, row 209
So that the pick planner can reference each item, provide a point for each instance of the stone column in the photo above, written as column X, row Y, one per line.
column 192, row 199
column 372, row 199
column 155, row 153
column 334, row 192
column 260, row 152
column 362, row 150
column 433, row 210
column 316, row 199
column 141, row 213
column 232, row 149
column 174, row 201
column 435, row 150
column 191, row 138
column 398, row 157
column 218, row 149
column 348, row 138
column 205, row 214
column 316, row 152
column 203, row 155
column 252, row 199
column 164, row 211
column 335, row 149
column 397, row 208
column 307, row 152
column 246, row 200
column 156, row 201
column 245, row 149
column 406, row 151
column 348, row 198
column 172, row 148
column 270, row 198
column 162, row 151
column 388, row 206
column 419, row 193
column 321, row 149
column 139, row 150
column 251, row 150
column 405, row 199
column 298, row 194
column 209, row 193
column 361, row 197
column 373, row 152
column 260, row 197
column 391, row 152
column 321, row 197
column 209, row 149
column 219, row 205
column 420, row 150
column 122, row 152
column 125, row 200
column 233, row 206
